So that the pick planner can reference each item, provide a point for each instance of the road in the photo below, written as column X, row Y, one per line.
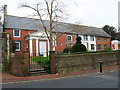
column 108, row 79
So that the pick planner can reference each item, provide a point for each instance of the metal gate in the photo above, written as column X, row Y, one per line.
column 39, row 63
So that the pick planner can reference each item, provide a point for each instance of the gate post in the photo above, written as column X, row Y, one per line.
column 118, row 57
column 52, row 62
column 27, row 62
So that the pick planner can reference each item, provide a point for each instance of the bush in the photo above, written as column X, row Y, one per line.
column 108, row 49
column 78, row 48
column 66, row 50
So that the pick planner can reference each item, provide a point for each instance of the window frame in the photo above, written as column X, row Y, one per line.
column 14, row 33
column 19, row 45
column 92, row 38
column 68, row 36
column 85, row 37
column 98, row 47
column 93, row 47
column 99, row 38
column 105, row 46
column 105, row 39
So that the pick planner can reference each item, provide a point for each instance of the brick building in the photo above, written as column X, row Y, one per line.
column 28, row 34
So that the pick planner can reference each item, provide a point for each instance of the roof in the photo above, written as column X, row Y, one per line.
column 15, row 22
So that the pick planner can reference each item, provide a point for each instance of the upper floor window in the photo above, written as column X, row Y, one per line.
column 105, row 39
column 69, row 38
column 91, row 38
column 16, row 33
column 99, row 39
column 85, row 37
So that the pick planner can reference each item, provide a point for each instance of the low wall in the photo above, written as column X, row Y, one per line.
column 74, row 63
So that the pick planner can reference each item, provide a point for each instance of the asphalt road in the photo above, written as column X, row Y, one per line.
column 108, row 79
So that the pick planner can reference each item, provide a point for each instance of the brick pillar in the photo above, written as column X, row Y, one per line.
column 20, row 64
column 118, row 57
column 52, row 62
column 16, row 65
column 26, row 62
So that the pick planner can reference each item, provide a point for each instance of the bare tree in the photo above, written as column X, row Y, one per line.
column 52, row 10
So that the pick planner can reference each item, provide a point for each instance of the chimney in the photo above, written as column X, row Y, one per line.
column 5, row 11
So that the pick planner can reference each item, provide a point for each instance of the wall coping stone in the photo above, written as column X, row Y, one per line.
column 76, row 55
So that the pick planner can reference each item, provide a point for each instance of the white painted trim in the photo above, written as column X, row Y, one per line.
column 17, row 36
column 19, row 45
column 36, row 47
column 30, row 45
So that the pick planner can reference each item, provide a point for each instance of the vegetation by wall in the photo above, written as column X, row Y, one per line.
column 74, row 63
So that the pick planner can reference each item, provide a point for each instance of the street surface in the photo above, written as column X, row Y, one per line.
column 108, row 79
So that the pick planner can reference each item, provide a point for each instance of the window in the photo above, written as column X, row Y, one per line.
column 105, row 39
column 105, row 46
column 17, row 45
column 85, row 37
column 91, row 38
column 92, row 46
column 99, row 46
column 99, row 39
column 69, row 38
column 55, row 40
column 16, row 33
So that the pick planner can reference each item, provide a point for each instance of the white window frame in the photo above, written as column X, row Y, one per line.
column 85, row 37
column 93, row 47
column 91, row 38
column 19, row 45
column 55, row 40
column 68, row 36
column 14, row 33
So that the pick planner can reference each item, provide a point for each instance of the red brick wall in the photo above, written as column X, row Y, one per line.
column 102, row 42
column 61, row 42
column 22, row 39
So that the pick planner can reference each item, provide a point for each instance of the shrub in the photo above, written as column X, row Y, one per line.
column 78, row 48
column 108, row 49
column 10, row 71
column 24, row 69
column 66, row 50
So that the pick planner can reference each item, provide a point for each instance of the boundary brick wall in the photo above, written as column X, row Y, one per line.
column 74, row 63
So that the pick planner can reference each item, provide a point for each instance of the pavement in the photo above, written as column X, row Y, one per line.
column 6, row 77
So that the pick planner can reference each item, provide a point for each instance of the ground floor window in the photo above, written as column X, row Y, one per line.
column 105, row 46
column 92, row 46
column 17, row 45
column 99, row 46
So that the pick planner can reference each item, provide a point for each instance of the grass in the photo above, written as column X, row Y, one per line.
column 43, row 61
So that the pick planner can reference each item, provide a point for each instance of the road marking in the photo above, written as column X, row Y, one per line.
column 56, row 78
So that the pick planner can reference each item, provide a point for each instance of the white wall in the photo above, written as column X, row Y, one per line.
column 115, row 42
column 89, row 42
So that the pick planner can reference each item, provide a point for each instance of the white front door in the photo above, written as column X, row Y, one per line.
column 43, row 50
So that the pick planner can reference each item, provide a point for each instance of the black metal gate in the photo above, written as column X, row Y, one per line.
column 39, row 63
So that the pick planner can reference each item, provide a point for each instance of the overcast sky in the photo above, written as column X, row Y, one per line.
column 95, row 13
